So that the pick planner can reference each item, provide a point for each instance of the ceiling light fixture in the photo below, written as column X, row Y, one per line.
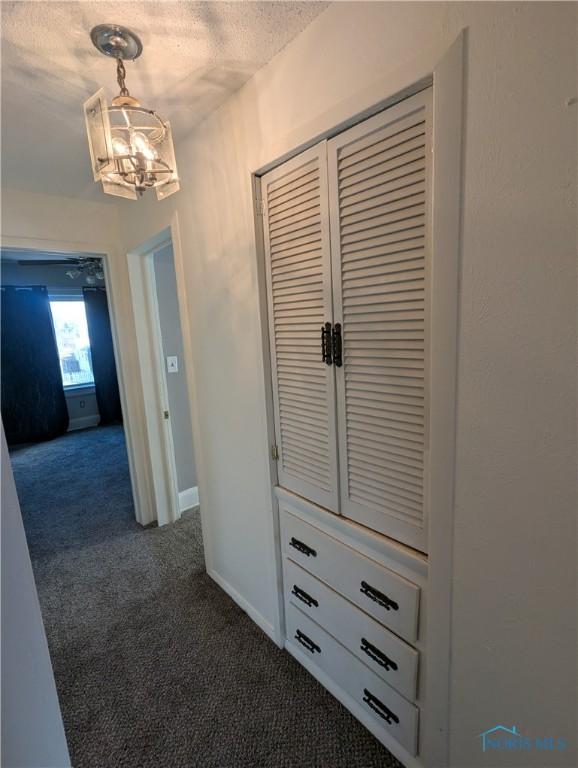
column 131, row 147
column 91, row 269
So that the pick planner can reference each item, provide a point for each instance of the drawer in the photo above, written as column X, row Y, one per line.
column 390, row 658
column 390, row 598
column 380, row 701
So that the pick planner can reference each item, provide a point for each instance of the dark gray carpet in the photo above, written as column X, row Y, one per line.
column 155, row 666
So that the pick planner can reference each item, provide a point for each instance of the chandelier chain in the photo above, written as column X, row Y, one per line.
column 120, row 76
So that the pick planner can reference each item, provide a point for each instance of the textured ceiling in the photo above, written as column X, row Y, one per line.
column 196, row 54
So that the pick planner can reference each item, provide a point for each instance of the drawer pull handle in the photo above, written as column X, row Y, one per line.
column 302, row 595
column 379, row 707
column 378, row 656
column 307, row 642
column 301, row 547
column 378, row 597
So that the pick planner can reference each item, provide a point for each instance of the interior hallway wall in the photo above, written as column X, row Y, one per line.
column 32, row 730
column 514, row 593
column 172, row 341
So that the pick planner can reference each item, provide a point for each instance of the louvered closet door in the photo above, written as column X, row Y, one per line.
column 380, row 210
column 296, row 228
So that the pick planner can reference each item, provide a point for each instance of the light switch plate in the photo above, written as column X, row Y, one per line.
column 172, row 364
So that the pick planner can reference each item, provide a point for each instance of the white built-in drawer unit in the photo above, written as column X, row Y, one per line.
column 354, row 619
column 390, row 658
column 390, row 598
column 392, row 712
column 347, row 228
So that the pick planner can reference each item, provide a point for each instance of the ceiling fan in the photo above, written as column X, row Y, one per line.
column 90, row 267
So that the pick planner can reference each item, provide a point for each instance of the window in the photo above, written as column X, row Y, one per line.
column 70, row 327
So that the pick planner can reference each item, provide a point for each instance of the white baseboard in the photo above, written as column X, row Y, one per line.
column 83, row 422
column 188, row 498
column 253, row 614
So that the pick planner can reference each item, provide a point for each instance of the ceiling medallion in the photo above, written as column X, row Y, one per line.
column 131, row 148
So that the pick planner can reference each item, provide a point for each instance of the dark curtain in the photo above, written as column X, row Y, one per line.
column 32, row 395
column 102, row 353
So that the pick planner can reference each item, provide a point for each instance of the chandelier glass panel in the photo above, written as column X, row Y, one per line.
column 131, row 147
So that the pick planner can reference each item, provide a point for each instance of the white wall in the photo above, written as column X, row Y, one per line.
column 172, row 342
column 514, row 598
column 32, row 730
column 40, row 219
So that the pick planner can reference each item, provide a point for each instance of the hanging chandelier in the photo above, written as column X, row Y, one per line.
column 131, row 148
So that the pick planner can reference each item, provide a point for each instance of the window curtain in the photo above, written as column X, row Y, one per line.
column 102, row 353
column 32, row 395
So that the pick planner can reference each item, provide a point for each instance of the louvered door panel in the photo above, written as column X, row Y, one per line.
column 296, row 229
column 379, row 206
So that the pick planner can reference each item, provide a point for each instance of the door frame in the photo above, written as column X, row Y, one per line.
column 124, row 330
column 168, row 221
column 152, row 375
column 142, row 506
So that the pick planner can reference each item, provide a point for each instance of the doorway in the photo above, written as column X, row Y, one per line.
column 61, row 401
column 163, row 375
column 59, row 371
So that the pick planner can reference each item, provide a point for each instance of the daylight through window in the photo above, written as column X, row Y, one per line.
column 69, row 318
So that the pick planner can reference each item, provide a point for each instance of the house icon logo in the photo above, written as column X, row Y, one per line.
column 500, row 737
